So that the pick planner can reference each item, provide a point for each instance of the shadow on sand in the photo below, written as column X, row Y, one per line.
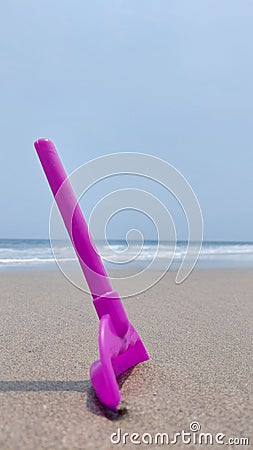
column 85, row 387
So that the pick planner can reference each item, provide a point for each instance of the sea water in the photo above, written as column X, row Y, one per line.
column 117, row 254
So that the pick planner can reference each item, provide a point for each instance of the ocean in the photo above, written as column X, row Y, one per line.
column 37, row 254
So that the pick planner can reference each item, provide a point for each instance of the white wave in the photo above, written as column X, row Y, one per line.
column 29, row 254
column 32, row 260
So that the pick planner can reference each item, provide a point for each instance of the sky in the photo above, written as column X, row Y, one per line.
column 172, row 79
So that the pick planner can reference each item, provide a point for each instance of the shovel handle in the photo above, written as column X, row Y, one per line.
column 90, row 261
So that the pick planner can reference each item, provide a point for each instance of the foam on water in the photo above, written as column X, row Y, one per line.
column 29, row 253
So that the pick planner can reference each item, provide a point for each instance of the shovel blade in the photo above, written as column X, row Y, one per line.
column 116, row 356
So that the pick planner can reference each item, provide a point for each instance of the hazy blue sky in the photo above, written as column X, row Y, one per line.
column 168, row 78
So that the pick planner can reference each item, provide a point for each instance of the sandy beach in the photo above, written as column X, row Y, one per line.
column 199, row 337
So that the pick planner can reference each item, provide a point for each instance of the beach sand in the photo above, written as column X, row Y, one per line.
column 199, row 337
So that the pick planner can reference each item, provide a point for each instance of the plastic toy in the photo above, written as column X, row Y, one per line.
column 120, row 346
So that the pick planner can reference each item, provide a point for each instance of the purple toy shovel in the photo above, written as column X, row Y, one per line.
column 120, row 346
